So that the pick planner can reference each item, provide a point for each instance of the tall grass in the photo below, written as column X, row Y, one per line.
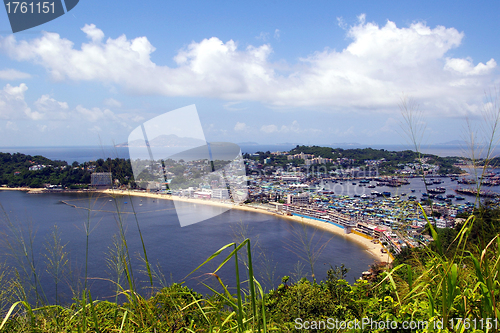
column 462, row 283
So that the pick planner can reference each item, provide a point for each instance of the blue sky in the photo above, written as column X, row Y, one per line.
column 311, row 72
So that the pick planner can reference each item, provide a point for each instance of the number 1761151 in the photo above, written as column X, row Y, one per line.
column 30, row 7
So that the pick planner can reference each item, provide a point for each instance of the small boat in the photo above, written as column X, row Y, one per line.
column 437, row 190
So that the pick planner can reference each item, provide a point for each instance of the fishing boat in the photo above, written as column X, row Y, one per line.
column 437, row 190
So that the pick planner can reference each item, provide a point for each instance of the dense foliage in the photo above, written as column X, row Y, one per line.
column 15, row 171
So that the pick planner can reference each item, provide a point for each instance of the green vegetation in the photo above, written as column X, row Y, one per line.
column 15, row 171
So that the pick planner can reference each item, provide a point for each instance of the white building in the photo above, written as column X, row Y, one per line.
column 301, row 199
column 220, row 193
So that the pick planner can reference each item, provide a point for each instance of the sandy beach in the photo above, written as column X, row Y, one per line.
column 374, row 249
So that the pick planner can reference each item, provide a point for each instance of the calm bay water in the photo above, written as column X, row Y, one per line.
column 177, row 250
column 91, row 153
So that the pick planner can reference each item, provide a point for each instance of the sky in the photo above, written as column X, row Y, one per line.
column 308, row 72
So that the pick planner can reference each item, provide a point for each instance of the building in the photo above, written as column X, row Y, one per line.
column 301, row 199
column 101, row 180
column 220, row 193
column 203, row 194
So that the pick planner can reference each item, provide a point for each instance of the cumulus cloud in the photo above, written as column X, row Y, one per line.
column 269, row 128
column 12, row 103
column 379, row 63
column 13, row 74
column 51, row 109
column 95, row 114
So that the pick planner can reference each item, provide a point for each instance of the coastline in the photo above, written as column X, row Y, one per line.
column 374, row 249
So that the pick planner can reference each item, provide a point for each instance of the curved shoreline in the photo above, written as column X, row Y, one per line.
column 374, row 249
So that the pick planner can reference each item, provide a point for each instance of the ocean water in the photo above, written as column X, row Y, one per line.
column 173, row 250
column 92, row 153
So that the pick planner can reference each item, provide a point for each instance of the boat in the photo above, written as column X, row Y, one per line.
column 482, row 193
column 459, row 198
column 386, row 194
column 466, row 181
column 436, row 190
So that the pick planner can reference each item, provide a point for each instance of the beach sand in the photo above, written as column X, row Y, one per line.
column 374, row 249
column 27, row 189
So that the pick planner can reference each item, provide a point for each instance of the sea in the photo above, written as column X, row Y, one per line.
column 279, row 246
column 87, row 229
column 91, row 153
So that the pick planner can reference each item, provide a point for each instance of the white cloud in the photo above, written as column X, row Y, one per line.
column 12, row 103
column 12, row 126
column 240, row 127
column 93, row 33
column 293, row 128
column 467, row 68
column 264, row 36
column 51, row 109
column 12, row 74
column 112, row 103
column 369, row 74
column 269, row 128
column 95, row 114
column 230, row 106
column 277, row 34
